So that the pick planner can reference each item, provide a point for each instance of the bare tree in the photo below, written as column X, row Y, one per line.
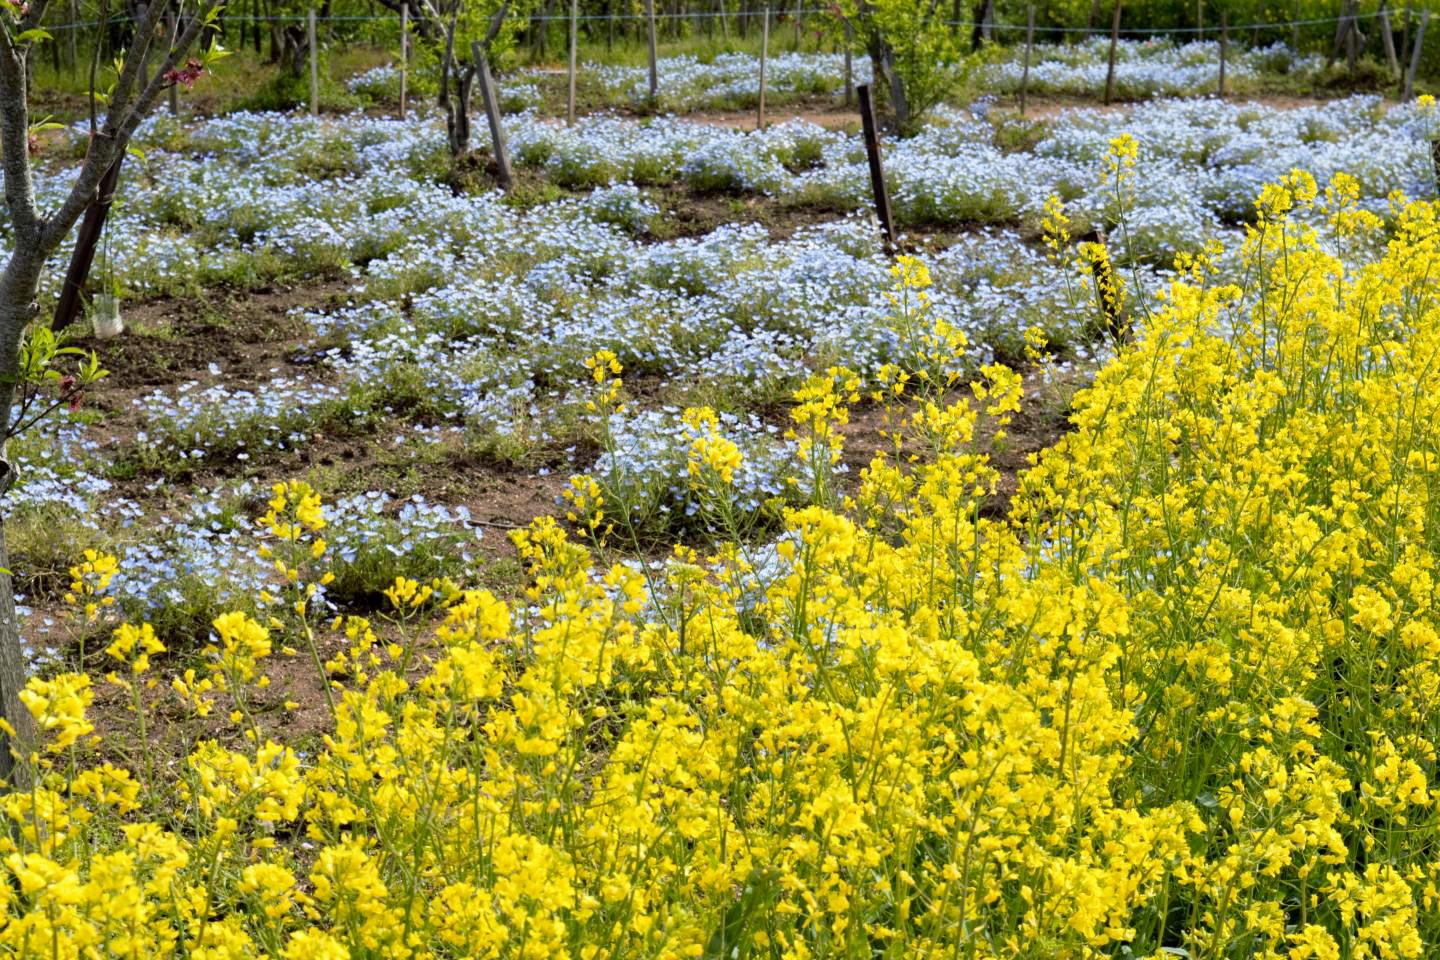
column 458, row 76
column 36, row 234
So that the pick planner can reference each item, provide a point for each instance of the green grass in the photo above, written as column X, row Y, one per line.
column 239, row 78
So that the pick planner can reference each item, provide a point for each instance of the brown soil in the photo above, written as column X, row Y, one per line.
column 244, row 333
column 695, row 213
column 251, row 337
column 824, row 113
column 1041, row 421
column 292, row 709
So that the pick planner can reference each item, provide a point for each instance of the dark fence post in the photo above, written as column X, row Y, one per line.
column 764, row 52
column 1029, row 47
column 1224, row 47
column 877, row 171
column 1415, row 55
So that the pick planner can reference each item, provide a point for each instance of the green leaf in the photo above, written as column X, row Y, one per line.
column 729, row 941
column 32, row 35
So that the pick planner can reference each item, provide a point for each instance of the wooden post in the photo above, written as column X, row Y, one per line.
column 170, row 40
column 877, row 171
column 797, row 24
column 849, row 66
column 1352, row 39
column 75, row 19
column 574, row 46
column 764, row 52
column 67, row 308
column 314, row 63
column 1200, row 19
column 1415, row 55
column 1387, row 41
column 1114, row 41
column 144, row 61
column 654, row 74
column 1295, row 28
column 1029, row 47
column 1404, row 36
column 492, row 114
column 1224, row 46
column 404, row 55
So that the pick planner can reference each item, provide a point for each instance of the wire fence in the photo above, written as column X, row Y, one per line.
column 714, row 14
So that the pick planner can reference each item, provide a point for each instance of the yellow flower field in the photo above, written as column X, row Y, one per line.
column 1179, row 701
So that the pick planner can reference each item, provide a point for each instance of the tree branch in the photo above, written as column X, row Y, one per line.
column 134, row 65
column 37, row 13
column 95, row 62
column 120, row 125
column 496, row 22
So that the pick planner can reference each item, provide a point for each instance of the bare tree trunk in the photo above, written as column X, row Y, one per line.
column 542, row 31
column 984, row 17
column 899, row 102
column 1405, row 33
column 1114, row 41
column 455, row 93
column 17, row 308
column 74, row 32
column 35, row 237
column 458, row 120
column 19, row 284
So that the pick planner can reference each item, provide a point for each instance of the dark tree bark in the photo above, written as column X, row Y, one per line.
column 67, row 309
column 984, row 21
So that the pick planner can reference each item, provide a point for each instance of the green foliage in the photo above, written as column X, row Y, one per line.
column 286, row 91
column 926, row 56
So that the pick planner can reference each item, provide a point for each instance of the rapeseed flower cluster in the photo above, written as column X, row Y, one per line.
column 1179, row 700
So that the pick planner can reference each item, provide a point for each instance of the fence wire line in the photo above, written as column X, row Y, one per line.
column 395, row 18
column 1101, row 31
column 591, row 18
